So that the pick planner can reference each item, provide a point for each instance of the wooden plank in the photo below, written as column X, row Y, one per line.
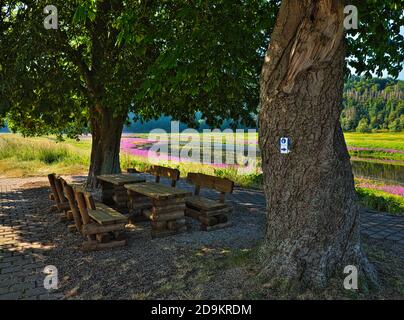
column 212, row 182
column 60, row 193
column 203, row 203
column 157, row 191
column 162, row 203
column 71, row 228
column 119, row 198
column 106, row 216
column 208, row 221
column 64, row 206
column 176, row 224
column 159, row 225
column 192, row 213
column 168, row 209
column 164, row 217
column 169, row 173
column 52, row 179
column 121, row 178
column 141, row 206
column 93, row 228
column 216, row 212
column 73, row 206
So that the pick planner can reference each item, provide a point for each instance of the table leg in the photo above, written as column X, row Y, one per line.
column 137, row 203
column 107, row 192
column 120, row 197
column 167, row 217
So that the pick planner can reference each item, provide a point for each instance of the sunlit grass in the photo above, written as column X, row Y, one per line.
column 381, row 201
column 20, row 157
column 379, row 140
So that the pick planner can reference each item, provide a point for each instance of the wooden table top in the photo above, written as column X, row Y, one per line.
column 121, row 178
column 157, row 191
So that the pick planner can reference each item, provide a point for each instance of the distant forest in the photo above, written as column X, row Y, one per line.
column 373, row 104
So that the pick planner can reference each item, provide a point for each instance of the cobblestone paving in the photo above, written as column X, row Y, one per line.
column 22, row 253
column 374, row 224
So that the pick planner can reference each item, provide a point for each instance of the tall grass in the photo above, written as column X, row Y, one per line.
column 35, row 156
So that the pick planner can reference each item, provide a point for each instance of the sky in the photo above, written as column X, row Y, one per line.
column 401, row 75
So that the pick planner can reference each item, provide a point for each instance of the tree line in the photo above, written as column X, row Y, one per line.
column 373, row 104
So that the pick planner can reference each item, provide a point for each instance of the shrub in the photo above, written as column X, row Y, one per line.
column 363, row 126
column 381, row 201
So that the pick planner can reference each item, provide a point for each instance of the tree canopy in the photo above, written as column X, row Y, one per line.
column 53, row 79
column 153, row 57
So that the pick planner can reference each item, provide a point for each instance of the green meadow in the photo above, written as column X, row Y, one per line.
column 379, row 140
column 21, row 157
column 24, row 157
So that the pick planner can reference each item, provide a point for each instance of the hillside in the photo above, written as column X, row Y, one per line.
column 373, row 104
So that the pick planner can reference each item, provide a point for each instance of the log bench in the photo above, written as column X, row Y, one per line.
column 101, row 225
column 212, row 214
column 168, row 173
column 57, row 195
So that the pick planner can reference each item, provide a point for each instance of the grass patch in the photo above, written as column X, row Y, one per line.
column 379, row 140
column 381, row 201
column 377, row 155
column 21, row 157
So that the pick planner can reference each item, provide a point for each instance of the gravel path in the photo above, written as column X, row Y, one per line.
column 146, row 268
column 137, row 271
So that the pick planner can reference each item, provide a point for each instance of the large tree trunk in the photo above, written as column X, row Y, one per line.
column 313, row 216
column 106, row 132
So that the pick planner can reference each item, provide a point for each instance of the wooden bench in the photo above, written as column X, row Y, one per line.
column 169, row 173
column 100, row 224
column 57, row 195
column 213, row 214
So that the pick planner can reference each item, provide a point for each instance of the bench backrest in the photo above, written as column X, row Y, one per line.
column 59, row 187
column 169, row 173
column 69, row 192
column 84, row 202
column 201, row 180
column 52, row 183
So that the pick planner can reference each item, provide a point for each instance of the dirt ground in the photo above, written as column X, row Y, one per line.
column 195, row 265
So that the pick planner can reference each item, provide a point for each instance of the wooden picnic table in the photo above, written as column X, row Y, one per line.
column 164, row 206
column 113, row 190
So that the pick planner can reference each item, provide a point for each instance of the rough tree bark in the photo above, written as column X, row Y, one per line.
column 313, row 216
column 106, row 132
